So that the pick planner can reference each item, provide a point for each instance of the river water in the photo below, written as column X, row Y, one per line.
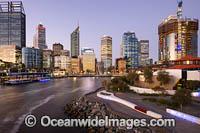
column 39, row 99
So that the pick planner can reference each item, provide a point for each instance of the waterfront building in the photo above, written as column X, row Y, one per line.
column 11, row 53
column 144, row 53
column 39, row 39
column 130, row 49
column 57, row 48
column 100, row 68
column 186, row 63
column 48, row 59
column 62, row 62
column 178, row 37
column 76, row 65
column 121, row 65
column 75, row 43
column 12, row 24
column 88, row 60
column 106, row 51
column 32, row 58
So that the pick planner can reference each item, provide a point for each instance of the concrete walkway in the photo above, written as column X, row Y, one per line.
column 182, row 126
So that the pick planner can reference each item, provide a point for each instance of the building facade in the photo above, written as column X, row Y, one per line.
column 12, row 24
column 130, row 49
column 144, row 53
column 106, row 51
column 48, row 59
column 76, row 65
column 32, row 58
column 11, row 53
column 121, row 50
column 57, row 48
column 178, row 37
column 75, row 43
column 39, row 39
column 62, row 62
column 88, row 60
column 121, row 65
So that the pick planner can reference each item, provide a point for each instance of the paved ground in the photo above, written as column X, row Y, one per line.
column 182, row 126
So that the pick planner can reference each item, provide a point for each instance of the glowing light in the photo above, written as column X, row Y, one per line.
column 74, row 78
column 196, row 94
column 44, row 80
column 183, row 116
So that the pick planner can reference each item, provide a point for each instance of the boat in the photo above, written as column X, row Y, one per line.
column 18, row 81
column 44, row 79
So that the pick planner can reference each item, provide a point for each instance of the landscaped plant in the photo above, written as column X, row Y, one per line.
column 148, row 74
column 182, row 97
column 132, row 77
column 163, row 77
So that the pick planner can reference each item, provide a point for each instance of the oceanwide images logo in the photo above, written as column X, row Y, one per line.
column 46, row 121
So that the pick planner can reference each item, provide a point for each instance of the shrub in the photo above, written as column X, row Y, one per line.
column 163, row 77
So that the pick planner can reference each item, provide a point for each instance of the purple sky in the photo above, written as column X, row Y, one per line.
column 102, row 17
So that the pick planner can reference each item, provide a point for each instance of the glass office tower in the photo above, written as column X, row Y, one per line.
column 75, row 46
column 130, row 49
column 106, row 51
column 12, row 24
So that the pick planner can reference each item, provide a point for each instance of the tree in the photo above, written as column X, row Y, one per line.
column 182, row 97
column 148, row 74
column 117, row 84
column 132, row 77
column 163, row 77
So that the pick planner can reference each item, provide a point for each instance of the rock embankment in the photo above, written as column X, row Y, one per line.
column 84, row 107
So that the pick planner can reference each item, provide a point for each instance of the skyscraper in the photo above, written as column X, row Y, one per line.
column 75, row 43
column 39, row 39
column 57, row 48
column 177, row 37
column 130, row 49
column 143, row 52
column 88, row 59
column 106, row 51
column 12, row 24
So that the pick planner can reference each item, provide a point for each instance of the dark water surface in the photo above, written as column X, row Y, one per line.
column 47, row 98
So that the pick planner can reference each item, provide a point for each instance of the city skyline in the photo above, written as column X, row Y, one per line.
column 91, row 20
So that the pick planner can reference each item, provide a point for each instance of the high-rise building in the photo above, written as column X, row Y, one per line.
column 100, row 68
column 130, row 49
column 32, row 58
column 39, row 39
column 88, row 60
column 178, row 37
column 75, row 43
column 143, row 52
column 57, row 48
column 121, row 50
column 48, row 60
column 12, row 24
column 106, row 51
column 76, row 65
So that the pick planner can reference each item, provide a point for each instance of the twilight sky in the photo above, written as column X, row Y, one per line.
column 102, row 17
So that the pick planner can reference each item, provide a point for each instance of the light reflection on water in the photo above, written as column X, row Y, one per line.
column 15, row 101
